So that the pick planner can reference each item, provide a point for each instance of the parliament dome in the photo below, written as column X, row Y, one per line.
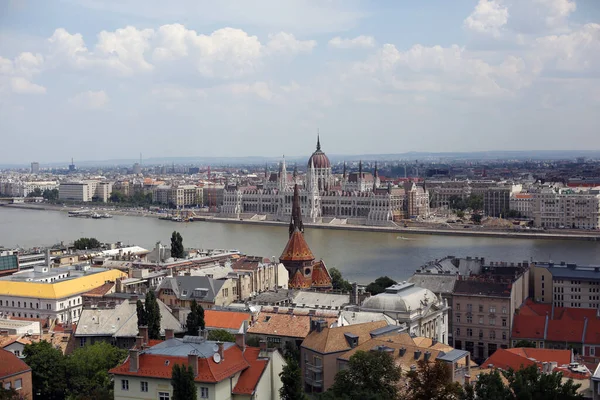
column 318, row 159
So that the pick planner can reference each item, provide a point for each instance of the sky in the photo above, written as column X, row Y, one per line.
column 108, row 79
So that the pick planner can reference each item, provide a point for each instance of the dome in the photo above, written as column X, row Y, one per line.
column 401, row 298
column 318, row 158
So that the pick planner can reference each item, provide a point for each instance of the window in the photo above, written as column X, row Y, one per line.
column 503, row 310
column 17, row 353
column 492, row 309
column 204, row 393
column 469, row 332
column 481, row 308
column 492, row 321
column 7, row 385
column 503, row 321
column 458, row 318
column 457, row 331
column 164, row 396
column 143, row 386
column 480, row 320
column 504, row 335
column 542, row 277
column 18, row 384
column 124, row 384
column 457, row 306
column 492, row 334
column 469, row 307
column 469, row 319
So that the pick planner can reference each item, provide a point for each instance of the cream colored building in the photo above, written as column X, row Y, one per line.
column 555, row 207
column 566, row 285
column 85, row 191
column 178, row 196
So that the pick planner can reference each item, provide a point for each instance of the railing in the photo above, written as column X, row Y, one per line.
column 314, row 367
column 313, row 382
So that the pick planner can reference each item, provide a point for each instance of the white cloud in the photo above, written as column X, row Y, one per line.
column 488, row 17
column 16, row 75
column 259, row 89
column 286, row 43
column 90, row 100
column 577, row 51
column 124, row 49
column 556, row 11
column 23, row 86
column 357, row 42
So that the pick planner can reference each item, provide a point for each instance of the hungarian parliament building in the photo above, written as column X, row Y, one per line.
column 358, row 196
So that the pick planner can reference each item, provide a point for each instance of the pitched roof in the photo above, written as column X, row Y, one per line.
column 504, row 359
column 299, row 281
column 61, row 289
column 559, row 331
column 184, row 287
column 250, row 377
column 100, row 291
column 331, row 340
column 296, row 249
column 287, row 325
column 562, row 357
column 592, row 333
column 475, row 287
column 225, row 319
column 11, row 364
column 320, row 276
column 528, row 326
column 518, row 358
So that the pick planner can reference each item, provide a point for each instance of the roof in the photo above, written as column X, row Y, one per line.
column 312, row 299
column 59, row 290
column 402, row 298
column 331, row 340
column 100, row 291
column 287, row 325
column 250, row 377
column 437, row 283
column 11, row 364
column 559, row 331
column 504, row 359
column 573, row 271
column 528, row 326
column 473, row 287
column 225, row 319
column 121, row 321
column 184, row 287
column 520, row 357
column 296, row 249
column 359, row 317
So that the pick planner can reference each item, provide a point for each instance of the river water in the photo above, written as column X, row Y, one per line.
column 361, row 256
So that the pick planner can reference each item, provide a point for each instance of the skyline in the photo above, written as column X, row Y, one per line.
column 94, row 80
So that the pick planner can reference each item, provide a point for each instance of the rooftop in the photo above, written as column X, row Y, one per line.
column 225, row 319
column 11, row 364
column 287, row 325
column 331, row 340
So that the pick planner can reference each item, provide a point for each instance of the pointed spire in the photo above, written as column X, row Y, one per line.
column 266, row 171
column 376, row 174
column 360, row 168
column 344, row 174
column 296, row 220
column 295, row 173
column 318, row 141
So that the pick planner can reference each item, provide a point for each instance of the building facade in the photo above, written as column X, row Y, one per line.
column 566, row 208
column 85, row 191
column 566, row 285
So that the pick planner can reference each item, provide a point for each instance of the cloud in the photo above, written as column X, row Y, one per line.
column 286, row 43
column 357, row 42
column 16, row 75
column 577, row 51
column 90, row 100
column 488, row 17
column 23, row 86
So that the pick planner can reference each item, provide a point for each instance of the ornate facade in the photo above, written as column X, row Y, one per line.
column 357, row 195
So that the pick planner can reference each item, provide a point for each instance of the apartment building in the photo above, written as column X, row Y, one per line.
column 53, row 293
column 522, row 203
column 180, row 291
column 566, row 208
column 85, row 191
column 19, row 188
column 178, row 196
column 483, row 308
column 566, row 285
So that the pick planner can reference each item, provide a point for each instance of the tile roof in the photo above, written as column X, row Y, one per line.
column 100, row 291
column 504, row 359
column 225, row 319
column 320, row 276
column 11, row 364
column 296, row 249
column 562, row 357
column 559, row 331
column 287, row 325
column 475, row 287
column 331, row 340
column 250, row 377
column 529, row 326
column 184, row 287
column 592, row 333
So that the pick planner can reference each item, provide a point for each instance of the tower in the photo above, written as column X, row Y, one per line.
column 282, row 184
column 376, row 180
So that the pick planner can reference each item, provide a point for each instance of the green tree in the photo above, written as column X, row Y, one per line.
column 87, row 371
column 369, row 375
column 291, row 378
column 379, row 285
column 86, row 244
column 476, row 218
column 37, row 192
column 531, row 384
column 475, row 202
column 141, row 314
column 433, row 381
column 48, row 370
column 460, row 213
column 491, row 387
column 10, row 394
column 524, row 343
column 117, row 197
column 195, row 319
column 338, row 282
column 182, row 380
column 221, row 335
column 50, row 194
column 152, row 315
column 457, row 203
column 177, row 245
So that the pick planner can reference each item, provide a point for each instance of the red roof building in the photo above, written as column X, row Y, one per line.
column 15, row 374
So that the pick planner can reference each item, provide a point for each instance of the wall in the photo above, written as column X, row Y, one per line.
column 26, row 385
column 542, row 275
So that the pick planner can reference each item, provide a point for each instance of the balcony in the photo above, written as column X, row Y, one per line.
column 317, row 383
column 314, row 367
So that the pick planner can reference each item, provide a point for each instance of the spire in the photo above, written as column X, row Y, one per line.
column 376, row 174
column 375, row 177
column 295, row 173
column 360, row 169
column 296, row 220
column 266, row 171
column 344, row 174
column 318, row 141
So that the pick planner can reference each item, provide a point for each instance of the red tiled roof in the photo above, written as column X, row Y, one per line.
column 528, row 326
column 592, row 333
column 561, row 357
column 299, row 281
column 506, row 360
column 285, row 325
column 296, row 249
column 11, row 364
column 250, row 377
column 100, row 291
column 320, row 275
column 225, row 319
column 560, row 331
column 156, row 366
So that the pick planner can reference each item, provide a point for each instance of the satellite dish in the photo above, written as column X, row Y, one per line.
column 217, row 358
column 215, row 348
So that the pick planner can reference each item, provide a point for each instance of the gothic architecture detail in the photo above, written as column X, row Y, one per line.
column 323, row 196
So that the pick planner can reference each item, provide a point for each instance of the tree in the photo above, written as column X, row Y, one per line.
column 117, row 197
column 380, row 285
column 10, row 394
column 524, row 343
column 152, row 315
column 195, row 319
column 141, row 314
column 433, row 381
column 369, row 375
column 291, row 378
column 531, row 384
column 338, row 282
column 182, row 380
column 476, row 218
column 50, row 194
column 86, row 244
column 490, row 386
column 87, row 371
column 221, row 335
column 460, row 213
column 48, row 371
column 37, row 192
column 177, row 245
column 457, row 203
column 475, row 202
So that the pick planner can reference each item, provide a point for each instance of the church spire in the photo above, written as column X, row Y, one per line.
column 344, row 173
column 296, row 220
column 318, row 141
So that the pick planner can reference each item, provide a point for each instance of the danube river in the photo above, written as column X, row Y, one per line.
column 361, row 256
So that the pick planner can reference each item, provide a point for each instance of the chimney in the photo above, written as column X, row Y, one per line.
column 139, row 342
column 433, row 342
column 193, row 362
column 402, row 351
column 467, row 379
column 240, row 341
column 221, row 352
column 417, row 354
column 263, row 345
column 143, row 332
column 427, row 356
column 169, row 334
column 134, row 360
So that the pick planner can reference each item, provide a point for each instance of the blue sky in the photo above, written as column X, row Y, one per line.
column 103, row 79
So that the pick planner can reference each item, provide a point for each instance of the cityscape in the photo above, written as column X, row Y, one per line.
column 300, row 200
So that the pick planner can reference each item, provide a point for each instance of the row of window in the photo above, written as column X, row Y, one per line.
column 161, row 395
column 17, row 304
column 492, row 320
column 18, row 384
column 492, row 333
column 492, row 309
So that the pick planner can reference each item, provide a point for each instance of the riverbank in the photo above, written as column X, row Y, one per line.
column 471, row 232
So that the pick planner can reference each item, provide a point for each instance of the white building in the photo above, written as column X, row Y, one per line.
column 523, row 203
column 85, row 191
column 178, row 196
column 19, row 188
column 566, row 208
